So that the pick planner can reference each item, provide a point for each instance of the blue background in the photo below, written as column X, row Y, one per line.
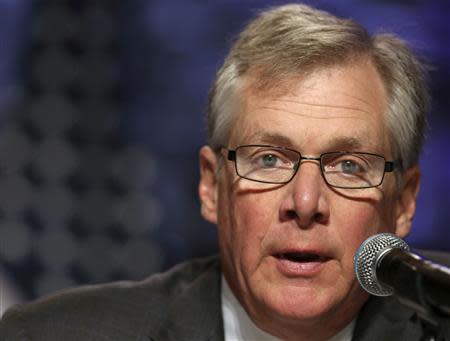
column 165, row 55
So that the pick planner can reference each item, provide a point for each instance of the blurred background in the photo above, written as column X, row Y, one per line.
column 102, row 108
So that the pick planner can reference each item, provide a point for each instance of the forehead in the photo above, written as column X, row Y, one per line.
column 339, row 106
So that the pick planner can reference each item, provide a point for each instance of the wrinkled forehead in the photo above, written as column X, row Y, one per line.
column 337, row 103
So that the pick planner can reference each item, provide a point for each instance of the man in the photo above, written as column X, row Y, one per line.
column 315, row 130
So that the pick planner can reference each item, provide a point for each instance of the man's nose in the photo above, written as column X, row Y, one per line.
column 305, row 201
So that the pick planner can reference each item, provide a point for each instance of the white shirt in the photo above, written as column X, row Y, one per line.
column 9, row 295
column 239, row 327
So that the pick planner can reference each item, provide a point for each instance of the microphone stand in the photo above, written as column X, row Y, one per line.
column 422, row 290
column 432, row 319
column 433, row 332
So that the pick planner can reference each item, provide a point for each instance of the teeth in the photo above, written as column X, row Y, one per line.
column 300, row 257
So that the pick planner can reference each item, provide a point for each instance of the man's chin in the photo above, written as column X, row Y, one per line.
column 299, row 304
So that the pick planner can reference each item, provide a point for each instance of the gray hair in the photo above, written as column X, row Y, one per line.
column 294, row 39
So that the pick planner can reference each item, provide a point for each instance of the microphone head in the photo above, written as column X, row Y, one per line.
column 367, row 258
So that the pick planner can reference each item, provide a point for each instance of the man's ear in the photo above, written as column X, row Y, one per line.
column 406, row 201
column 207, row 187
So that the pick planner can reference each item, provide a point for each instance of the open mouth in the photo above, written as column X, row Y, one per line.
column 300, row 257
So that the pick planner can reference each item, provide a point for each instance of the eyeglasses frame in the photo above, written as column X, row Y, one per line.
column 389, row 166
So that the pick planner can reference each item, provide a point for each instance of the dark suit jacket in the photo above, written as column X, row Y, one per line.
column 180, row 305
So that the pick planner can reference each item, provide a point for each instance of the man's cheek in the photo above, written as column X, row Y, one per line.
column 253, row 214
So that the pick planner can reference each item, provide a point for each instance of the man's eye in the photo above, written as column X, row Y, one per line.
column 350, row 167
column 268, row 160
column 347, row 165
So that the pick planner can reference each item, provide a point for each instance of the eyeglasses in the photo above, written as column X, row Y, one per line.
column 278, row 165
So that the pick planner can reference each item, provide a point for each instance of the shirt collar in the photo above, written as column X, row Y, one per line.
column 238, row 326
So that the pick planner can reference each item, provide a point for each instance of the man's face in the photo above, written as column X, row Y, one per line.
column 287, row 250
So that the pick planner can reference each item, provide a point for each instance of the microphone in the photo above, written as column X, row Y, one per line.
column 384, row 266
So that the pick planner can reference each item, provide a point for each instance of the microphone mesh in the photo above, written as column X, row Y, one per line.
column 367, row 258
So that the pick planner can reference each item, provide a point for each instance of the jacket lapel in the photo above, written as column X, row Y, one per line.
column 195, row 313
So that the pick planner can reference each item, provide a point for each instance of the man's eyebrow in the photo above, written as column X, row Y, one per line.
column 345, row 143
column 340, row 143
column 271, row 138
